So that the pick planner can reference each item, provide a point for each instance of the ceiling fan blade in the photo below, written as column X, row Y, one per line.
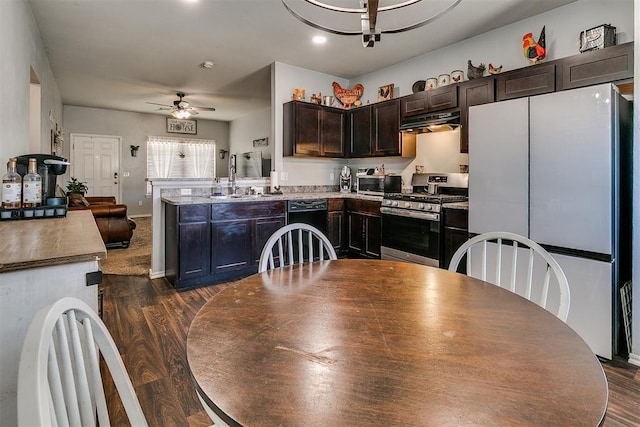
column 203, row 108
column 155, row 103
column 192, row 111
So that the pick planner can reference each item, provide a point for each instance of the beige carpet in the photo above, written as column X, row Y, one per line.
column 134, row 260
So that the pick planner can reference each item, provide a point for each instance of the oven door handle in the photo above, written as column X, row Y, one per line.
column 410, row 214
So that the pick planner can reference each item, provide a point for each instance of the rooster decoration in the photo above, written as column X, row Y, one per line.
column 348, row 97
column 494, row 70
column 534, row 51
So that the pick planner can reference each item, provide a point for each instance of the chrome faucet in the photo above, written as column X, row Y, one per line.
column 232, row 173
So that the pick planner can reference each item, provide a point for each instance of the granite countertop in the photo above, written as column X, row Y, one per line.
column 34, row 243
column 456, row 205
column 192, row 200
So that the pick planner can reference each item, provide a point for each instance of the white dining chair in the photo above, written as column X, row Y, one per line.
column 518, row 264
column 59, row 379
column 295, row 243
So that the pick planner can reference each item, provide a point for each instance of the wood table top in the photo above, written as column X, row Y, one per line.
column 355, row 342
column 46, row 242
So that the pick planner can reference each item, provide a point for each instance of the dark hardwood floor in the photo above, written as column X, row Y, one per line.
column 149, row 322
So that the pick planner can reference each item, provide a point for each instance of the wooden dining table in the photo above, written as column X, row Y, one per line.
column 372, row 342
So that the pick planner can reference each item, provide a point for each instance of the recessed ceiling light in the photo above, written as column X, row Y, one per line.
column 319, row 39
column 207, row 64
column 191, row 1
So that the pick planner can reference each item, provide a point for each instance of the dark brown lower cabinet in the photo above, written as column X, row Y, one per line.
column 454, row 234
column 209, row 243
column 363, row 228
column 335, row 225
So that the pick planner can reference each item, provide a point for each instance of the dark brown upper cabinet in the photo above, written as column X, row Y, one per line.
column 595, row 67
column 528, row 81
column 374, row 131
column 427, row 101
column 473, row 92
column 313, row 130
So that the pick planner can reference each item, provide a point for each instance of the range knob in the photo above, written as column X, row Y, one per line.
column 420, row 205
column 386, row 202
column 407, row 205
column 394, row 203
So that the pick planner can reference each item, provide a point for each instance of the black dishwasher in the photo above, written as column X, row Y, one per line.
column 310, row 211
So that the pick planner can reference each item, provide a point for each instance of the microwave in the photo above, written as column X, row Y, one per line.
column 377, row 185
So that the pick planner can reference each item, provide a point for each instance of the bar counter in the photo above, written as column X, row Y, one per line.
column 41, row 261
column 46, row 242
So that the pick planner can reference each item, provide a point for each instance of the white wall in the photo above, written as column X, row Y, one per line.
column 634, row 357
column 503, row 46
column 20, row 49
column 134, row 128
column 286, row 78
column 243, row 131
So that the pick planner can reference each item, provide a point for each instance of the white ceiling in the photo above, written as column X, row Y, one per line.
column 118, row 54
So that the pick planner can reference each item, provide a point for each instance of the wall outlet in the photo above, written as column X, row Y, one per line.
column 139, row 202
column 332, row 176
column 185, row 191
column 125, row 174
column 284, row 176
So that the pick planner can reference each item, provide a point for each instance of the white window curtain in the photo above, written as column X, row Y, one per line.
column 180, row 157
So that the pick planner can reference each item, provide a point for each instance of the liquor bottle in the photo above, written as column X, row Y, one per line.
column 11, row 187
column 32, row 186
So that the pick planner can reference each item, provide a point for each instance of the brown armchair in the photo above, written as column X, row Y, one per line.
column 111, row 218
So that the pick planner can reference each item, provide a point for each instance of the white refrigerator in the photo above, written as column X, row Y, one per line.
column 557, row 169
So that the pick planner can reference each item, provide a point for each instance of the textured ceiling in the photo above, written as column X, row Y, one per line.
column 118, row 54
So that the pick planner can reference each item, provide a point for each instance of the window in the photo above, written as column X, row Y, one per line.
column 180, row 158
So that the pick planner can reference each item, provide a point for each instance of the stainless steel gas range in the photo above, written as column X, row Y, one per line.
column 411, row 229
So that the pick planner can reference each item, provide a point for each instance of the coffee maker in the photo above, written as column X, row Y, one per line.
column 345, row 180
column 49, row 167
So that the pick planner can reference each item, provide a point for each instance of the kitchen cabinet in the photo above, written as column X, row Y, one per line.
column 473, row 92
column 455, row 222
column 336, row 224
column 360, row 132
column 374, row 131
column 239, row 232
column 598, row 66
column 363, row 228
column 313, row 130
column 187, row 248
column 428, row 101
column 528, row 81
column 208, row 243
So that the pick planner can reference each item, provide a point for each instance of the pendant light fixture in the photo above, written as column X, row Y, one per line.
column 369, row 11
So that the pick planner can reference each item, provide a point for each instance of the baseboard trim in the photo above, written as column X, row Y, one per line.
column 155, row 274
column 634, row 359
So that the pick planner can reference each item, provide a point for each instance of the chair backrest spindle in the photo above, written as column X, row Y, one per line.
column 301, row 243
column 59, row 380
column 532, row 282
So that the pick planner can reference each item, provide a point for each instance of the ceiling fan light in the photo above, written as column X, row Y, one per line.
column 181, row 114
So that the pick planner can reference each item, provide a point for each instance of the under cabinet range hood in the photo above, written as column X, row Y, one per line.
column 435, row 122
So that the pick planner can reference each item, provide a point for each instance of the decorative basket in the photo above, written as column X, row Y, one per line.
column 597, row 38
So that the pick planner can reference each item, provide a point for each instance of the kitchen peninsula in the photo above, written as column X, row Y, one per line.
column 41, row 260
column 211, row 239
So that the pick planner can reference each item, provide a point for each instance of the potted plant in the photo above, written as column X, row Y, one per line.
column 75, row 186
column 134, row 150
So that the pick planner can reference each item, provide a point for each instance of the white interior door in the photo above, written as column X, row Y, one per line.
column 95, row 159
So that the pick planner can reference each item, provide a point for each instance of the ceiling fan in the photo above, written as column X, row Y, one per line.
column 181, row 109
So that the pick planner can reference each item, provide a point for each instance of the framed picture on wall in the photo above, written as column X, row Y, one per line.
column 262, row 142
column 385, row 92
column 182, row 126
